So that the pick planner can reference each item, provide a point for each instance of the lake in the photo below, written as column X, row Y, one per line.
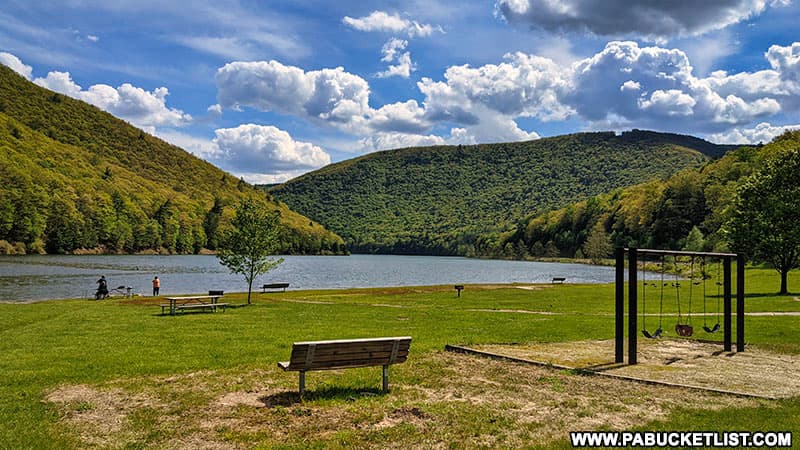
column 38, row 277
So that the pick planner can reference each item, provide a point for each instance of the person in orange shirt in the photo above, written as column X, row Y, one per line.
column 156, row 286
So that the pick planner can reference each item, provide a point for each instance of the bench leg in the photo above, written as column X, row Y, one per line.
column 386, row 378
column 302, row 383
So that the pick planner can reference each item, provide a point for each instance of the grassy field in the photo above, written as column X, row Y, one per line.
column 117, row 374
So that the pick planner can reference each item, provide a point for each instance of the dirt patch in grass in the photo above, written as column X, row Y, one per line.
column 100, row 416
column 553, row 402
column 437, row 399
column 534, row 287
column 681, row 361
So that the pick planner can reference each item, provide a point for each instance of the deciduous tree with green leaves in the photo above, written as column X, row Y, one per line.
column 765, row 224
column 246, row 249
column 598, row 244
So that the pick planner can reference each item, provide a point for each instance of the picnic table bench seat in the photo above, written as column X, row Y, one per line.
column 210, row 306
column 274, row 286
column 559, row 280
column 347, row 354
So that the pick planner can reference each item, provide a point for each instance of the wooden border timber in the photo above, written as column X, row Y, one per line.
column 582, row 371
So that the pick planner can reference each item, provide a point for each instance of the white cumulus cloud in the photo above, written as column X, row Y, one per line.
column 761, row 133
column 624, row 85
column 786, row 60
column 403, row 117
column 386, row 141
column 138, row 106
column 667, row 96
column 390, row 23
column 15, row 64
column 524, row 85
column 332, row 96
column 263, row 149
column 392, row 53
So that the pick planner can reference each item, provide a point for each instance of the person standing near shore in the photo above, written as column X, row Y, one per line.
column 156, row 286
column 102, row 288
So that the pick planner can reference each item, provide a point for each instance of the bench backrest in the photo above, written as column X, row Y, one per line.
column 322, row 355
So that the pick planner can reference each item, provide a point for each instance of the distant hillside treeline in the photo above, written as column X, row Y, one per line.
column 443, row 200
column 688, row 210
column 75, row 178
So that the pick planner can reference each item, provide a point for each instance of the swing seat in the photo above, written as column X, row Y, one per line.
column 684, row 329
column 713, row 329
column 656, row 334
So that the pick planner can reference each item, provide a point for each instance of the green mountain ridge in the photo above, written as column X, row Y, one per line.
column 688, row 210
column 75, row 178
column 445, row 200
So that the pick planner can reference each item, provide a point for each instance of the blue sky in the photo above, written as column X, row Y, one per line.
column 270, row 90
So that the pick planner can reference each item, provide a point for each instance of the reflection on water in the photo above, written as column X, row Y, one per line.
column 37, row 277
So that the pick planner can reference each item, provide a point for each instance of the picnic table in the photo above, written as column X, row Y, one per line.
column 184, row 303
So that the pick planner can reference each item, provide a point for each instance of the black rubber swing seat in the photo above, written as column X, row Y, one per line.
column 656, row 334
column 713, row 329
column 684, row 329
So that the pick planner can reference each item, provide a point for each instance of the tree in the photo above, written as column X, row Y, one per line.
column 695, row 241
column 682, row 206
column 598, row 244
column 765, row 224
column 246, row 248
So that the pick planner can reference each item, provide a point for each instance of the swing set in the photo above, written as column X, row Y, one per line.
column 683, row 327
column 681, row 263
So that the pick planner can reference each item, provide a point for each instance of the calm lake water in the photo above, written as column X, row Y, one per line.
column 37, row 277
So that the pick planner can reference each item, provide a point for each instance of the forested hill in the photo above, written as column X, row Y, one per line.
column 75, row 178
column 688, row 210
column 438, row 200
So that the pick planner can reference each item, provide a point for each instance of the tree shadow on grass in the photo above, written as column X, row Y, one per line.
column 288, row 398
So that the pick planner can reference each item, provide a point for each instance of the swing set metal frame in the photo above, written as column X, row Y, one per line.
column 633, row 255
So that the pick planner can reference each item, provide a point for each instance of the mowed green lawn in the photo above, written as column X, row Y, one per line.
column 132, row 351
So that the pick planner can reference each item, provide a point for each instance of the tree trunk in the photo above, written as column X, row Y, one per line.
column 784, row 287
column 250, row 285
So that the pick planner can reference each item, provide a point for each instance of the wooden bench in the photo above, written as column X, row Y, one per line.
column 275, row 286
column 559, row 280
column 347, row 354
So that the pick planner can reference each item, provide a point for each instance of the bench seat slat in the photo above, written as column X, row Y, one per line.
column 342, row 349
column 200, row 305
column 300, row 359
column 321, row 349
column 333, row 365
column 356, row 341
